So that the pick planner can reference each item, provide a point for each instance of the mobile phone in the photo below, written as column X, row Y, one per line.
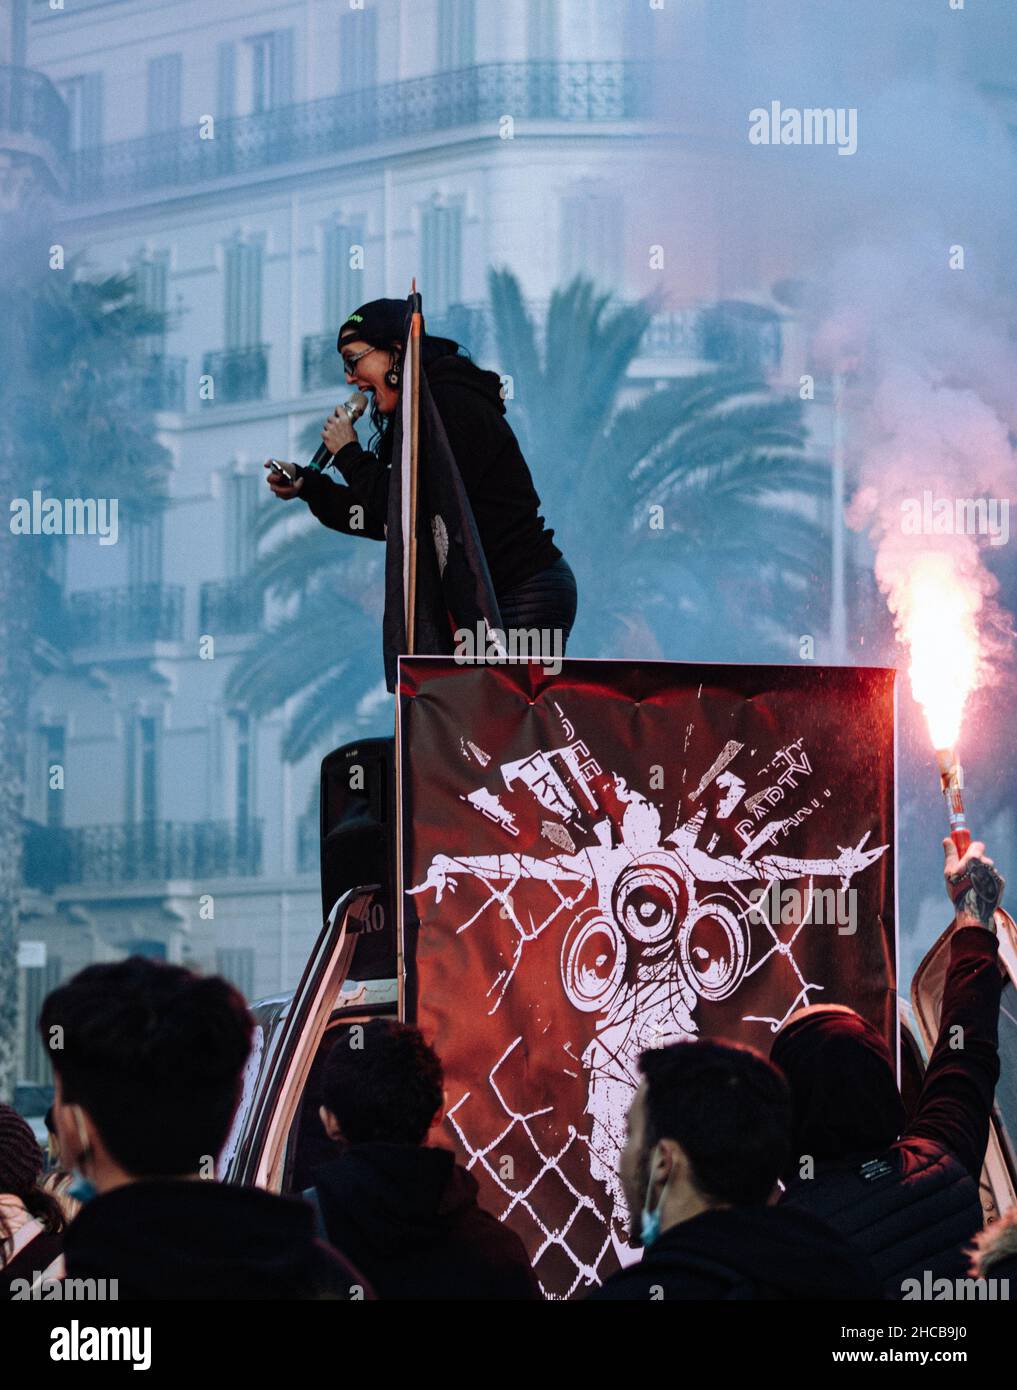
column 283, row 469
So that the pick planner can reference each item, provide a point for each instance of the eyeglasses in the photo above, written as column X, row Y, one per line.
column 350, row 363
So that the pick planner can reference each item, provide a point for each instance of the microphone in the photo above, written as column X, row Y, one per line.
column 354, row 408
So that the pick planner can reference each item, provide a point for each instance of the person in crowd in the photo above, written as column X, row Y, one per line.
column 31, row 1221
column 994, row 1255
column 708, row 1133
column 405, row 1212
column 148, row 1060
column 905, row 1193
column 58, row 1179
column 533, row 582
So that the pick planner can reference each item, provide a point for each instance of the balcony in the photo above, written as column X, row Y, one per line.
column 159, row 384
column 321, row 365
column 122, row 617
column 230, row 606
column 150, row 851
column 238, row 374
column 329, row 126
column 34, row 123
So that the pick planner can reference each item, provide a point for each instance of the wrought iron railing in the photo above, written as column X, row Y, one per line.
column 142, row 852
column 230, row 606
column 116, row 617
column 31, row 105
column 479, row 95
column 160, row 383
column 238, row 374
column 322, row 368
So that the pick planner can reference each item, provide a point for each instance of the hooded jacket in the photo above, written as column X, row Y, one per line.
column 408, row 1217
column 517, row 544
column 909, row 1200
column 205, row 1240
column 746, row 1253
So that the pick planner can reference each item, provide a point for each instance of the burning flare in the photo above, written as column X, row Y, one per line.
column 936, row 607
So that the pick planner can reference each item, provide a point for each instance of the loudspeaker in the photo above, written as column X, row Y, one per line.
column 358, row 845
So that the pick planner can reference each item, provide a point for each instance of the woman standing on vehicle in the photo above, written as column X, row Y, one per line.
column 533, row 583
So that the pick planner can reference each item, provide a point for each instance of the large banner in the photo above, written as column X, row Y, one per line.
column 619, row 857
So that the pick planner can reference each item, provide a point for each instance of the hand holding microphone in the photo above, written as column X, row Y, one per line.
column 284, row 478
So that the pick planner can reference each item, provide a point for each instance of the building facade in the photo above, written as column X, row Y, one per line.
column 263, row 170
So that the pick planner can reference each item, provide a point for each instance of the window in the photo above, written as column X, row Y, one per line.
column 272, row 70
column 164, row 92
column 83, row 96
column 358, row 50
column 243, row 268
column 236, row 964
column 151, row 275
column 441, row 257
column 143, row 772
column 542, row 28
column 343, row 286
column 38, row 982
column 243, row 780
column 591, row 236
column 226, row 79
column 245, row 491
column 53, row 741
column 456, row 34
column 144, row 552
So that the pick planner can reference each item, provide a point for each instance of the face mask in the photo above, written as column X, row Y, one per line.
column 649, row 1221
column 80, row 1187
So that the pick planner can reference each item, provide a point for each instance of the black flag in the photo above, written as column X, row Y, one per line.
column 453, row 585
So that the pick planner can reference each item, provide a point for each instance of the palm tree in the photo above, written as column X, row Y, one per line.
column 71, row 427
column 720, row 452
column 325, row 645
column 735, row 547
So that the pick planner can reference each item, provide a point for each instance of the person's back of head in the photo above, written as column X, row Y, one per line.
column 381, row 1082
column 729, row 1111
column 844, row 1095
column 21, row 1165
column 154, row 1055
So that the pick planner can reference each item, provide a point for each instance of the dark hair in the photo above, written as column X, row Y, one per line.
column 383, row 1082
column 431, row 350
column 21, row 1164
column 728, row 1108
column 155, row 1054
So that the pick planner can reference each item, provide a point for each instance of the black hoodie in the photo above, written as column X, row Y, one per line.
column 746, row 1253
column 204, row 1240
column 408, row 1217
column 517, row 545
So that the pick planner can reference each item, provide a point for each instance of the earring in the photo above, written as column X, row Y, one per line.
column 392, row 377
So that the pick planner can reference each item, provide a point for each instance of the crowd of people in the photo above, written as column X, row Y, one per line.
column 793, row 1176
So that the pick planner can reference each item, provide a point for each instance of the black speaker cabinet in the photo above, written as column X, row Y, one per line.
column 358, row 845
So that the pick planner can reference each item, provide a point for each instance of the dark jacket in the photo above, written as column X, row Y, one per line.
column 205, row 1240
column 914, row 1205
column 746, row 1253
column 505, row 504
column 408, row 1217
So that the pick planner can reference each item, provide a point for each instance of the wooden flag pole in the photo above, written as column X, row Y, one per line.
column 410, row 611
column 413, row 348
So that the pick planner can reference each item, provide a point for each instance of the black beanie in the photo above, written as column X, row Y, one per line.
column 20, row 1154
column 844, row 1096
column 380, row 323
